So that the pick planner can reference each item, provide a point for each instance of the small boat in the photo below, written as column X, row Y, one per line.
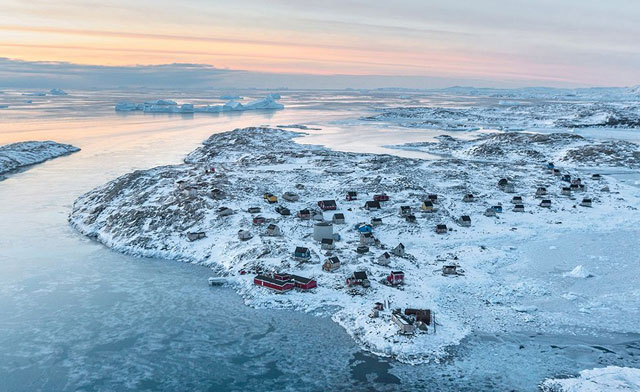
column 213, row 281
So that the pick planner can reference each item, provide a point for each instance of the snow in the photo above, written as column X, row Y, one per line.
column 144, row 213
column 170, row 106
column 578, row 272
column 17, row 155
column 609, row 379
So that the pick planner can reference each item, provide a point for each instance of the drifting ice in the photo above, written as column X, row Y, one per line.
column 169, row 106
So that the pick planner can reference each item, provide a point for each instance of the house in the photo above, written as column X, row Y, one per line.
column 502, row 182
column 545, row 203
column 427, row 205
column 322, row 230
column 596, row 176
column 541, row 191
column 576, row 181
column 327, row 244
column 516, row 200
column 372, row 205
column 290, row 196
column 364, row 228
column 273, row 231
column 381, row 197
column 225, row 211
column 327, row 205
column 449, row 269
column 338, row 218
column 497, row 208
column 395, row 278
column 582, row 187
column 258, row 220
column 566, row 191
column 303, row 283
column 464, row 221
column 270, row 198
column 518, row 208
column 556, row 172
column 273, row 284
column 410, row 218
column 550, row 166
column 566, row 178
column 378, row 306
column 367, row 239
column 605, row 189
column 405, row 325
column 422, row 315
column 181, row 184
column 196, row 235
column 317, row 216
column 362, row 249
column 244, row 235
column 405, row 210
column 433, row 198
column 301, row 254
column 490, row 212
column 253, row 210
column 359, row 278
column 586, row 202
column 441, row 229
column 376, row 221
column 399, row 250
column 217, row 194
column 468, row 198
column 574, row 187
column 283, row 211
column 352, row 195
column 304, row 214
column 384, row 259
column 190, row 191
column 331, row 264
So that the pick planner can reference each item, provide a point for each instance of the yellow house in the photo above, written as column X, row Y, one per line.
column 270, row 198
column 427, row 205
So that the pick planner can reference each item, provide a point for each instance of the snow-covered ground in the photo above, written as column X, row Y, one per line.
column 17, row 155
column 145, row 213
column 609, row 379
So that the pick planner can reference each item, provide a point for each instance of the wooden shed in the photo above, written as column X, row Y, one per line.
column 399, row 250
column 331, row 264
column 441, row 228
column 338, row 218
column 384, row 258
column 464, row 221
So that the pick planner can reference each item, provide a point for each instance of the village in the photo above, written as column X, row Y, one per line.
column 403, row 253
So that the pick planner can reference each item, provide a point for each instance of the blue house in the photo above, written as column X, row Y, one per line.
column 566, row 178
column 364, row 228
column 551, row 166
column 497, row 208
column 301, row 253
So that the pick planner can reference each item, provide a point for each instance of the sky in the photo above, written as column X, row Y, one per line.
column 329, row 43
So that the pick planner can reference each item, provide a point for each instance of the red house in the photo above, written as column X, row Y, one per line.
column 395, row 278
column 303, row 283
column 282, row 276
column 274, row 284
column 381, row 197
column 258, row 220
column 327, row 205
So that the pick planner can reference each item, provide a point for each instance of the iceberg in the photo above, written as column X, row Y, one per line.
column 170, row 106
column 128, row 106
column 57, row 91
column 35, row 94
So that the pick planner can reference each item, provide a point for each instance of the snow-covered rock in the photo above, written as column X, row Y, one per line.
column 17, row 155
column 578, row 272
column 608, row 379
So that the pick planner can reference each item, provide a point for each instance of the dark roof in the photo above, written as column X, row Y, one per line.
column 372, row 203
column 338, row 215
column 405, row 207
column 334, row 259
column 441, row 226
column 428, row 203
column 433, row 196
column 360, row 275
column 328, row 202
column 517, row 198
column 272, row 280
column 300, row 249
column 465, row 218
column 400, row 245
column 386, row 255
column 397, row 272
column 546, row 201
column 376, row 219
column 366, row 234
column 300, row 279
column 272, row 227
column 519, row 206
column 327, row 240
column 352, row 193
column 305, row 211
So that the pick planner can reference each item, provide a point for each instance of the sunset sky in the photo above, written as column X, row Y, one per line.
column 542, row 42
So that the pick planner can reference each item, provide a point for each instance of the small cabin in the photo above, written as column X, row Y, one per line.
column 449, row 269
column 327, row 205
column 490, row 212
column 550, row 166
column 253, row 210
column 516, row 200
column 433, row 198
column 596, row 176
column 270, row 198
column 258, row 220
column 384, row 259
column 362, row 249
column 283, row 211
column 410, row 218
column 372, row 205
column 405, row 326
column 327, row 244
column 217, row 194
column 244, row 235
column 566, row 191
column 301, row 254
column 497, row 208
column 273, row 284
column 290, row 196
column 399, row 250
column 441, row 229
column 605, row 189
column 518, row 208
column 427, row 205
column 359, row 278
column 582, row 187
column 576, row 181
column 464, row 221
column 352, row 195
column 338, row 218
column 556, row 172
column 566, row 178
column 381, row 197
column 225, row 211
column 376, row 221
column 273, row 231
column 331, row 264
column 304, row 214
column 302, row 283
column 468, row 198
column 586, row 202
column 574, row 187
column 378, row 306
column 546, row 203
column 395, row 278
column 503, row 182
column 367, row 239
column 405, row 210
column 541, row 191
column 196, row 235
column 364, row 228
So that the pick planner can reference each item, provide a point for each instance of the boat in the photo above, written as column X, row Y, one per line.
column 216, row 281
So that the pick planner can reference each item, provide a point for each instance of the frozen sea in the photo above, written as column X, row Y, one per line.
column 75, row 315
